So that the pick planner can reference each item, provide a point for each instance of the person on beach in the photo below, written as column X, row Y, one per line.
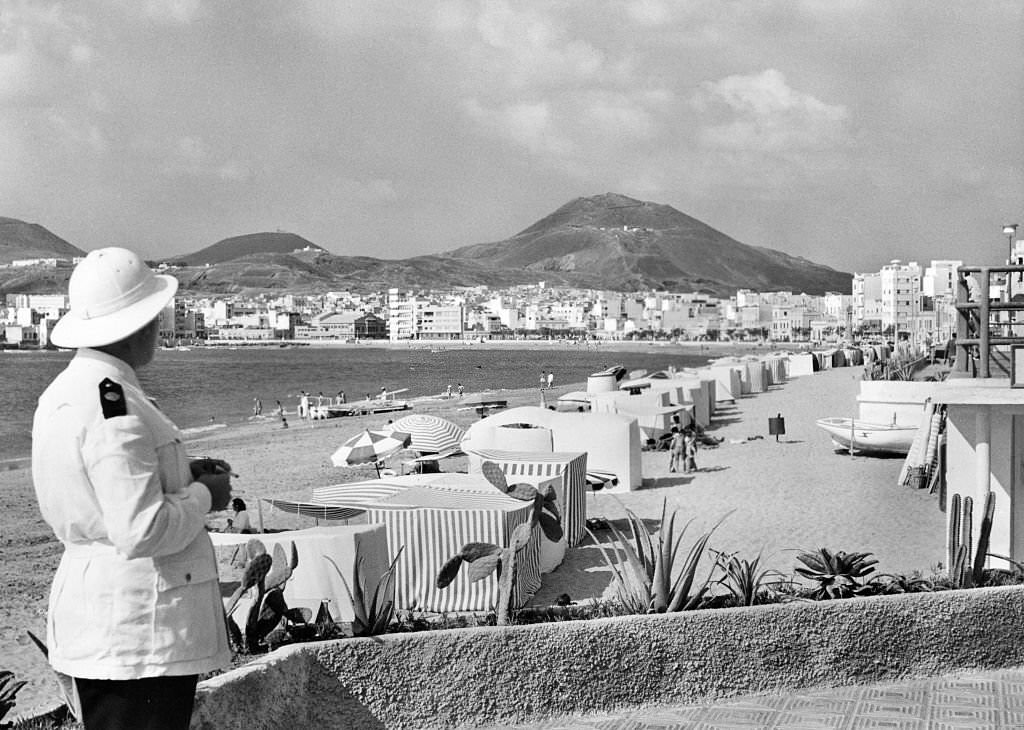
column 448, row 391
column 551, row 379
column 341, row 397
column 239, row 521
column 461, row 390
column 135, row 612
column 676, row 449
column 303, row 405
column 543, row 379
column 689, row 451
column 257, row 407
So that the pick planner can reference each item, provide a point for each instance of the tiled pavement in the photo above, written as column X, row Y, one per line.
column 979, row 701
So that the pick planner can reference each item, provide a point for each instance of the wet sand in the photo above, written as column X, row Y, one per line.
column 785, row 496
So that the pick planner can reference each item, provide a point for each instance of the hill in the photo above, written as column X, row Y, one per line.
column 21, row 240
column 631, row 244
column 229, row 249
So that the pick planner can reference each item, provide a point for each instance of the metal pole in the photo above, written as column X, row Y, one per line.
column 983, row 332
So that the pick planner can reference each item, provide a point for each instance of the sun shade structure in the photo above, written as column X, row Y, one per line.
column 369, row 447
column 429, row 434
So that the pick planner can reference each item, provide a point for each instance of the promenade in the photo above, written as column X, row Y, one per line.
column 992, row 700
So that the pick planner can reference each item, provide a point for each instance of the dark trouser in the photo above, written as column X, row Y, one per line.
column 154, row 703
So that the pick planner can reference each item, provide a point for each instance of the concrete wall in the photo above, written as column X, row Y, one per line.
column 476, row 677
column 886, row 401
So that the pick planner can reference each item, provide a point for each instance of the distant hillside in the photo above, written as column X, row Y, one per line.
column 631, row 244
column 21, row 240
column 606, row 241
column 250, row 244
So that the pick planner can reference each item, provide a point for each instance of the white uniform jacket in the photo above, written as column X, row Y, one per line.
column 136, row 593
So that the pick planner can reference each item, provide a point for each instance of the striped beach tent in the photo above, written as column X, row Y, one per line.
column 433, row 517
column 533, row 466
column 315, row 509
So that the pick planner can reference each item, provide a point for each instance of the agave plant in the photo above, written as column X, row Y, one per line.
column 747, row 582
column 650, row 579
column 8, row 692
column 370, row 618
column 486, row 558
column 837, row 575
column 889, row 583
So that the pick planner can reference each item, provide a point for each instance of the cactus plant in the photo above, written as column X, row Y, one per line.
column 967, row 564
column 485, row 558
column 268, row 576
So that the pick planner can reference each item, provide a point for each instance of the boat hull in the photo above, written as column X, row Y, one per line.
column 873, row 438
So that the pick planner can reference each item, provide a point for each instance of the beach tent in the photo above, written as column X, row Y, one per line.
column 777, row 368
column 314, row 577
column 433, row 517
column 574, row 400
column 802, row 363
column 611, row 441
column 756, row 375
column 728, row 382
column 569, row 471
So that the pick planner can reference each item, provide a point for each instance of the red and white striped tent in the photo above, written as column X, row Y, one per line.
column 433, row 516
column 533, row 467
column 429, row 434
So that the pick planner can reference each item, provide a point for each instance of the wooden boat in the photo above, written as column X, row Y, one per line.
column 868, row 438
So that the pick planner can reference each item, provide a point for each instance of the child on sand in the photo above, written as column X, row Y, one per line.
column 689, row 451
column 676, row 450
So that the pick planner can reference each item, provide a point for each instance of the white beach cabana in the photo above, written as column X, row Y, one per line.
column 314, row 578
column 611, row 441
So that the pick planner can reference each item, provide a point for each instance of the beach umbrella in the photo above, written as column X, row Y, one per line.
column 430, row 434
column 597, row 480
column 369, row 446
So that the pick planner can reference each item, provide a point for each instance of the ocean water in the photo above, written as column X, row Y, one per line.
column 203, row 386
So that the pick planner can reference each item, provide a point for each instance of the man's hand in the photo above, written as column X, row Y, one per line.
column 220, row 489
column 207, row 465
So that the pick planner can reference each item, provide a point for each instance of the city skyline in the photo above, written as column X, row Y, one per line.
column 839, row 132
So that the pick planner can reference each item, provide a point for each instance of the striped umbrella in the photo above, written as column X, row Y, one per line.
column 598, row 480
column 430, row 434
column 369, row 446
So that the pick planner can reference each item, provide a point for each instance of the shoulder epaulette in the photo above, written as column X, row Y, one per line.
column 112, row 399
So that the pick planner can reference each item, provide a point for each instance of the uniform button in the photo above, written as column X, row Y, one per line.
column 188, row 577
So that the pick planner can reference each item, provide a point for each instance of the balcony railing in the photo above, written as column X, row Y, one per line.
column 987, row 327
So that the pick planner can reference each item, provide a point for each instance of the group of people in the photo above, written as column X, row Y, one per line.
column 682, row 450
column 547, row 379
column 459, row 389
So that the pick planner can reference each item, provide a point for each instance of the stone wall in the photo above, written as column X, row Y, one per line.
column 477, row 677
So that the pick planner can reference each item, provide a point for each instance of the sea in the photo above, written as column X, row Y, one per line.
column 209, row 387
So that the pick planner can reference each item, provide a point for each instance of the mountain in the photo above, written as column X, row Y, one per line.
column 606, row 241
column 250, row 244
column 632, row 245
column 21, row 240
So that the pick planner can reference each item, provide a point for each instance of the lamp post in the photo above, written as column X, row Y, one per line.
column 1009, row 231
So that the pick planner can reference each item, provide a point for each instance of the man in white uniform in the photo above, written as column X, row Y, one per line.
column 135, row 612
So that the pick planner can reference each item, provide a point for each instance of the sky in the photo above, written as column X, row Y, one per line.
column 848, row 132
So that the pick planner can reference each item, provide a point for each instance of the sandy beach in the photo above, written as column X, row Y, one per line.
column 785, row 496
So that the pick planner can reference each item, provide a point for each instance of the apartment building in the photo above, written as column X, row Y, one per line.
column 414, row 318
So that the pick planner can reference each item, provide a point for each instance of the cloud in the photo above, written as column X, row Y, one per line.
column 764, row 114
column 529, row 125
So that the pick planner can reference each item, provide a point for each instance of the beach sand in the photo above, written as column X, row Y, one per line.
column 780, row 497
